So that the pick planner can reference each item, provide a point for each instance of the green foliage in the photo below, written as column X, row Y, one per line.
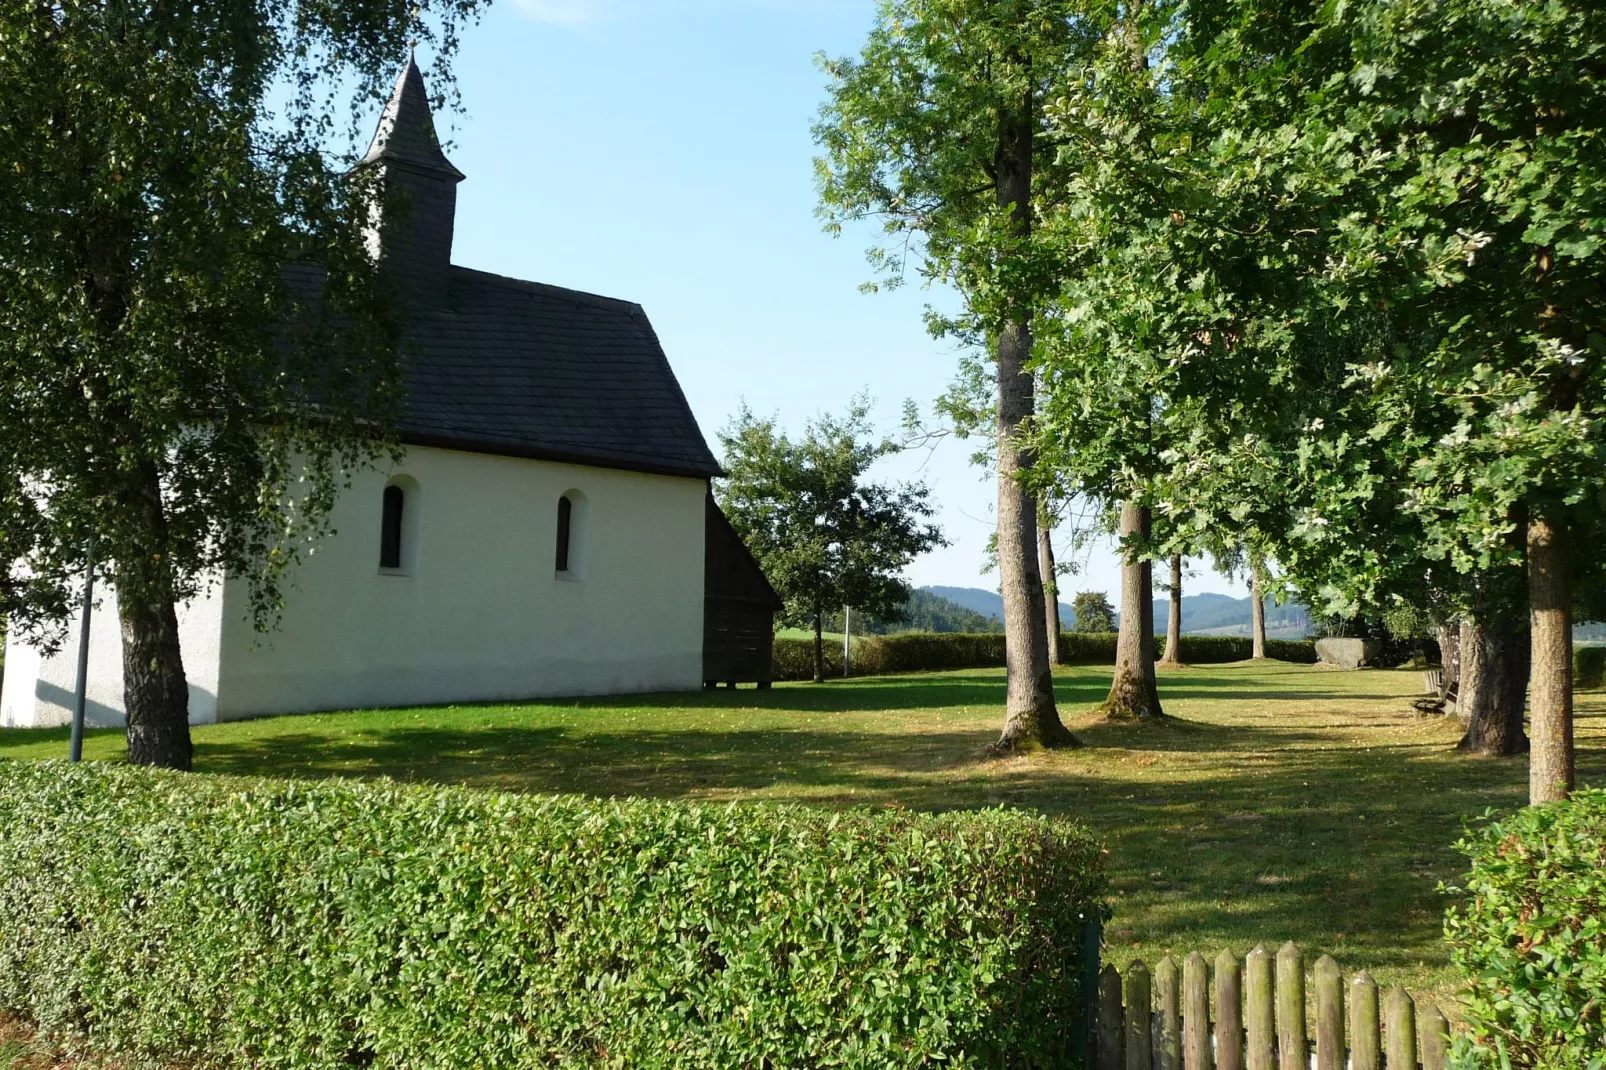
column 215, row 922
column 194, row 342
column 910, row 137
column 1344, row 257
column 1589, row 666
column 1093, row 612
column 1532, row 939
column 825, row 535
column 912, row 652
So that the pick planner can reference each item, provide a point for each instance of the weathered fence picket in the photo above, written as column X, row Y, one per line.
column 1109, row 1025
column 1139, row 1019
column 1291, row 1043
column 1196, row 1012
column 1262, row 1015
column 1168, row 1038
column 1331, row 1051
column 1163, row 1020
column 1365, row 1029
column 1229, row 1013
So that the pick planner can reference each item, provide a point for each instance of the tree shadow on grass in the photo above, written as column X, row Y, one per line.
column 1219, row 835
column 1224, row 832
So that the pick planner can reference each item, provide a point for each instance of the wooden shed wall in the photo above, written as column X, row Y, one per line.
column 739, row 608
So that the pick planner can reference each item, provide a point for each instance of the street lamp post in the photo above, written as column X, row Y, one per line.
column 75, row 751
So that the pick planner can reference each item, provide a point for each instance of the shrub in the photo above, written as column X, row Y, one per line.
column 1299, row 651
column 912, row 652
column 1532, row 938
column 1088, row 648
column 1589, row 666
column 794, row 658
column 211, row 922
column 922, row 651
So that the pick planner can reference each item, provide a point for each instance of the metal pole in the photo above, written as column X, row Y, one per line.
column 847, row 638
column 75, row 751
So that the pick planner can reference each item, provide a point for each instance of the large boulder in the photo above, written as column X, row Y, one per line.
column 1349, row 653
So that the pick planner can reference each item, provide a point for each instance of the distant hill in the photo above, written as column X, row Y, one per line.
column 1204, row 614
column 1220, row 614
column 988, row 603
column 925, row 612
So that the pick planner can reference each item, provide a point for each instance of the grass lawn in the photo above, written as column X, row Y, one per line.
column 1281, row 802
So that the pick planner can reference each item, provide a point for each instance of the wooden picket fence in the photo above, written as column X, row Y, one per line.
column 1163, row 1020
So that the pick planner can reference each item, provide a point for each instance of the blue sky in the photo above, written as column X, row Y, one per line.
column 659, row 151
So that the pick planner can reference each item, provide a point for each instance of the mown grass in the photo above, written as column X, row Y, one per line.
column 1281, row 801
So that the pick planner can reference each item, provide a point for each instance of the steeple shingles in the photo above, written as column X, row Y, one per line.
column 413, row 235
column 406, row 132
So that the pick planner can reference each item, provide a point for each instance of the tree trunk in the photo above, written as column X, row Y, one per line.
column 1449, row 637
column 155, row 691
column 819, row 647
column 1257, row 611
column 1134, row 695
column 1173, row 624
column 1494, row 686
column 1031, row 718
column 1051, row 593
column 1550, row 614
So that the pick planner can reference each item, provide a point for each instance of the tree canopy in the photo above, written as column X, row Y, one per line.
column 826, row 535
column 195, row 342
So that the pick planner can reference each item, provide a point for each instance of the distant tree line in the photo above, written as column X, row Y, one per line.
column 923, row 612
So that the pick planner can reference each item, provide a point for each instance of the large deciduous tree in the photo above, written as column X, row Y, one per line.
column 936, row 128
column 195, row 344
column 1365, row 268
column 826, row 535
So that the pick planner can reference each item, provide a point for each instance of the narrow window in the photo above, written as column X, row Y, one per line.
column 565, row 518
column 390, row 528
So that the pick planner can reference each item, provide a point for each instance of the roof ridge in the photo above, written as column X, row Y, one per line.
column 547, row 288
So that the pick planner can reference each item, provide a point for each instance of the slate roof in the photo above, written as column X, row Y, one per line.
column 519, row 368
column 406, row 131
column 528, row 370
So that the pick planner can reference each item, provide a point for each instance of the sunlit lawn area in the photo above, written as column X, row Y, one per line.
column 1282, row 802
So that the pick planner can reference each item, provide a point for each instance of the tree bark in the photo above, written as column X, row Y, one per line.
column 1449, row 638
column 1134, row 694
column 1031, row 718
column 1051, row 593
column 1493, row 687
column 1173, row 624
column 819, row 647
column 1257, row 611
column 1550, row 614
column 155, row 691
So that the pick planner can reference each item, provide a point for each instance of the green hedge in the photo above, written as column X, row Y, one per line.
column 221, row 922
column 1532, row 939
column 1589, row 666
column 920, row 651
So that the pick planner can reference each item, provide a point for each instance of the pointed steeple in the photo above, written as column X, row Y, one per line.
column 413, row 234
column 406, row 132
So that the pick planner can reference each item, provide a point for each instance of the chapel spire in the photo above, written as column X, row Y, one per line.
column 406, row 132
column 414, row 234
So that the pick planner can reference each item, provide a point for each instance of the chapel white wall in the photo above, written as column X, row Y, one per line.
column 39, row 690
column 482, row 614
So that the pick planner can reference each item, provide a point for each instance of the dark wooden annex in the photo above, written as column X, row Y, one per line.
column 739, row 608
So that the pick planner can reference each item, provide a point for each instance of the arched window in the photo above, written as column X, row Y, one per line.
column 390, row 528
column 565, row 531
column 571, row 541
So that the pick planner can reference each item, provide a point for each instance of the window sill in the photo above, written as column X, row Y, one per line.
column 395, row 572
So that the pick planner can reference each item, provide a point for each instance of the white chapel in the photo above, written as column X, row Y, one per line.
column 550, row 532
